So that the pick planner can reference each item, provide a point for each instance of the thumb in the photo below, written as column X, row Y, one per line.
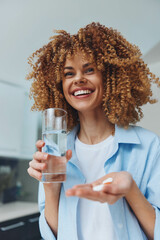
column 68, row 155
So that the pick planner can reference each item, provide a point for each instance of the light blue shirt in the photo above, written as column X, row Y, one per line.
column 137, row 151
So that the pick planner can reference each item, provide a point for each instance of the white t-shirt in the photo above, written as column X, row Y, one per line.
column 95, row 218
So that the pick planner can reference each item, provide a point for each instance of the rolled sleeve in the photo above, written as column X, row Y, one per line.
column 157, row 224
column 153, row 192
column 45, row 230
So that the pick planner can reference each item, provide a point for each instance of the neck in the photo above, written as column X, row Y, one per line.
column 94, row 127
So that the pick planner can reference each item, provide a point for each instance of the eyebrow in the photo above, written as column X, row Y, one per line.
column 84, row 66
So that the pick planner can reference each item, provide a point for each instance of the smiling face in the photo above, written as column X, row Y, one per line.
column 82, row 84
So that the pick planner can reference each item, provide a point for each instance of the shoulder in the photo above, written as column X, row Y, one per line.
column 149, row 141
column 142, row 148
column 138, row 138
column 145, row 135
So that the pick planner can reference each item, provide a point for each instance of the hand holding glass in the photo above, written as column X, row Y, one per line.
column 54, row 128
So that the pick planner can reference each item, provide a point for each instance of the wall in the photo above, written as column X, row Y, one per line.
column 151, row 119
column 26, row 25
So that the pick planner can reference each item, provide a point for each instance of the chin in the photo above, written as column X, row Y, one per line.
column 85, row 109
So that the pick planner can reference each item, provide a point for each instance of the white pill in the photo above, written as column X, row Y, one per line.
column 98, row 187
column 108, row 180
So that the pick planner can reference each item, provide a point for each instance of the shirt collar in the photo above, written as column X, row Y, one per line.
column 122, row 135
column 128, row 135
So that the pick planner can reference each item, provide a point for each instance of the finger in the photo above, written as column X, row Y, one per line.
column 40, row 156
column 94, row 186
column 40, row 144
column 34, row 173
column 79, row 191
column 84, row 191
column 37, row 165
column 68, row 155
column 82, row 186
column 89, row 194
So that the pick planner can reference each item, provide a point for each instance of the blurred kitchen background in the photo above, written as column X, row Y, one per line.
column 24, row 27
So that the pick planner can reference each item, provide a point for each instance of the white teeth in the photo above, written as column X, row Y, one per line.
column 81, row 92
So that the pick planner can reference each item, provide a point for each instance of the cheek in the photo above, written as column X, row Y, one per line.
column 64, row 88
column 65, row 91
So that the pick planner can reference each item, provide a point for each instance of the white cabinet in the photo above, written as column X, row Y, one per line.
column 11, row 107
column 30, row 129
column 18, row 127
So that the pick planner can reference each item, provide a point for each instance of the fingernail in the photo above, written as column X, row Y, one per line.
column 98, row 187
column 107, row 181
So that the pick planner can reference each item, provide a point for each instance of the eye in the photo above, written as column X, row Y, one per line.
column 68, row 74
column 89, row 70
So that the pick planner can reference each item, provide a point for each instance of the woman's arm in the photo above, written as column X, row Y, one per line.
column 52, row 190
column 123, row 185
column 52, row 193
column 142, row 209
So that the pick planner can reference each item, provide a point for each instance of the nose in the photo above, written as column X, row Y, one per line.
column 79, row 81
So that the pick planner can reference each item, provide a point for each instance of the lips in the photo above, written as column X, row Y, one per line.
column 82, row 92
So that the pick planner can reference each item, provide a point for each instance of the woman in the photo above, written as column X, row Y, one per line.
column 99, row 78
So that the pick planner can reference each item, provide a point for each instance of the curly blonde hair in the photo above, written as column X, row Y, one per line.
column 127, row 79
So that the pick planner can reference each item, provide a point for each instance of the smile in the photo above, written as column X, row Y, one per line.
column 80, row 92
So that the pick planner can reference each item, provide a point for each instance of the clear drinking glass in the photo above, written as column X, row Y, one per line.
column 54, row 134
